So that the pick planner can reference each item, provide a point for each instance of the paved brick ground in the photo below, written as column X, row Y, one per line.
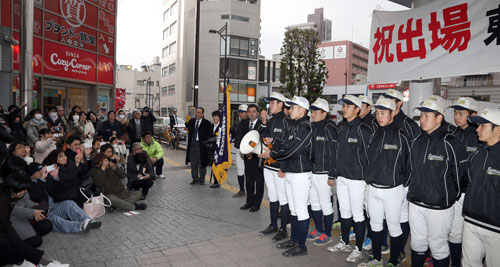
column 183, row 226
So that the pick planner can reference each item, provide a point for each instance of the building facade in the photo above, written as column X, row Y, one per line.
column 73, row 54
column 142, row 86
column 177, row 62
column 317, row 22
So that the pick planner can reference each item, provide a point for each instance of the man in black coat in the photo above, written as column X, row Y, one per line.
column 199, row 131
column 149, row 120
column 174, row 119
column 136, row 127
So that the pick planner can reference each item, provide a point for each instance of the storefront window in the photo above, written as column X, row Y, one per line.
column 103, row 97
column 78, row 97
column 53, row 97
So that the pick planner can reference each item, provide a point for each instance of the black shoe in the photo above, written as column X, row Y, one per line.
column 194, row 182
column 254, row 209
column 245, row 207
column 202, row 182
column 140, row 206
column 269, row 230
column 215, row 186
column 91, row 224
column 281, row 235
column 287, row 244
column 295, row 251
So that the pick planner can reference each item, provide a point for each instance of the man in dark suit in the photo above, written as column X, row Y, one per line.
column 199, row 131
column 173, row 119
column 149, row 120
column 215, row 130
column 253, row 165
column 136, row 127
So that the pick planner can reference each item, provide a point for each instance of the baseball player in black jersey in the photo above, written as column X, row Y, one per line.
column 366, row 112
column 437, row 161
column 402, row 121
column 324, row 147
column 352, row 159
column 481, row 235
column 294, row 155
column 387, row 172
column 273, row 134
column 466, row 134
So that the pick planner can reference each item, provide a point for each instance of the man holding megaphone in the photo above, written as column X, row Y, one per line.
column 294, row 155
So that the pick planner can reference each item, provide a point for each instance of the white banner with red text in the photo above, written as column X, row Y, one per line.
column 441, row 39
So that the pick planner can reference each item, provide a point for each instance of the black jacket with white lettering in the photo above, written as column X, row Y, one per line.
column 276, row 128
column 371, row 121
column 468, row 137
column 324, row 145
column 410, row 127
column 389, row 158
column 482, row 201
column 352, row 156
column 438, row 164
column 294, row 151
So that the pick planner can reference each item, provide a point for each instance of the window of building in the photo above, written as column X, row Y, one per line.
column 165, row 33
column 173, row 28
column 140, row 82
column 235, row 46
column 239, row 69
column 241, row 91
column 173, row 9
column 164, row 52
column 172, row 48
column 171, row 90
column 241, row 46
column 164, row 71
column 171, row 68
column 157, row 83
column 164, row 91
column 235, row 17
column 165, row 14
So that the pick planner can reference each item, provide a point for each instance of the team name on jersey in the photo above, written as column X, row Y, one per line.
column 352, row 140
column 320, row 138
column 492, row 171
column 471, row 149
column 435, row 157
column 389, row 147
column 277, row 130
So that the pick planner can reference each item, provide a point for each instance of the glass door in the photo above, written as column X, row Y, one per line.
column 53, row 97
column 77, row 97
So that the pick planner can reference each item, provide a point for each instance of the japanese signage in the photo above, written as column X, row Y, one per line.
column 381, row 86
column 340, row 51
column 441, row 39
column 68, row 62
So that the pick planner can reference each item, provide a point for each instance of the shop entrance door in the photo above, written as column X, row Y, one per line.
column 54, row 96
column 65, row 96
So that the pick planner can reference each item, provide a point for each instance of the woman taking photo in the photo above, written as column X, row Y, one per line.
column 44, row 145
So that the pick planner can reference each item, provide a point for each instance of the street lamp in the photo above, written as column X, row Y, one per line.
column 223, row 37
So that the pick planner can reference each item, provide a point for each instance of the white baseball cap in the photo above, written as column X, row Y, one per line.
column 286, row 102
column 394, row 94
column 385, row 104
column 299, row 100
column 366, row 100
column 465, row 103
column 431, row 104
column 276, row 96
column 320, row 104
column 351, row 100
column 243, row 108
column 487, row 116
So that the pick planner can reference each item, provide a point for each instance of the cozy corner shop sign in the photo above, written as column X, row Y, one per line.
column 441, row 39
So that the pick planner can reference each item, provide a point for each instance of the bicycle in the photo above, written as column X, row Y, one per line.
column 171, row 136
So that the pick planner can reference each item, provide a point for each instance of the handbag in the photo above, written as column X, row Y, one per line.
column 95, row 206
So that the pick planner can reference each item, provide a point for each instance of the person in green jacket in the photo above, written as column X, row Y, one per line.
column 107, row 176
column 155, row 153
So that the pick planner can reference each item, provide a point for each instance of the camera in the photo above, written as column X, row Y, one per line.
column 113, row 160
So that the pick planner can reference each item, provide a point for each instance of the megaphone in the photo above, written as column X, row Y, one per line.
column 251, row 143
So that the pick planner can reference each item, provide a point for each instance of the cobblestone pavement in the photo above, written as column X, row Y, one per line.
column 182, row 226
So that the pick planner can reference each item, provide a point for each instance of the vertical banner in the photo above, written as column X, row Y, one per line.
column 440, row 39
column 222, row 154
column 120, row 98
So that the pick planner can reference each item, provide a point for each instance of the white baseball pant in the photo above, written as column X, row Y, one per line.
column 386, row 203
column 351, row 196
column 457, row 225
column 430, row 229
column 404, row 208
column 275, row 187
column 240, row 164
column 298, row 186
column 320, row 195
column 477, row 243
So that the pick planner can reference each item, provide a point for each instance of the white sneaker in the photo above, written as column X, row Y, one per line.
column 355, row 255
column 372, row 263
column 26, row 264
column 340, row 247
column 160, row 177
column 55, row 263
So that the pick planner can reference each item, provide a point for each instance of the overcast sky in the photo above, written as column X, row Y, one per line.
column 139, row 24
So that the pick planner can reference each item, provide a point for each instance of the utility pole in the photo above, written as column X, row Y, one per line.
column 196, row 55
column 26, row 79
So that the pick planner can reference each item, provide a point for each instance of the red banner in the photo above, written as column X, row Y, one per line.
column 68, row 62
column 105, row 70
column 120, row 98
column 382, row 86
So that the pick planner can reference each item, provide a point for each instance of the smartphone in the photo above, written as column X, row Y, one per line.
column 79, row 152
column 50, row 168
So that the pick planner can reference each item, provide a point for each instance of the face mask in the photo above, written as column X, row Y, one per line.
column 38, row 116
column 53, row 115
column 122, row 116
column 76, row 117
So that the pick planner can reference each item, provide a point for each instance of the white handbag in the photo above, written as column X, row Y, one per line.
column 95, row 206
